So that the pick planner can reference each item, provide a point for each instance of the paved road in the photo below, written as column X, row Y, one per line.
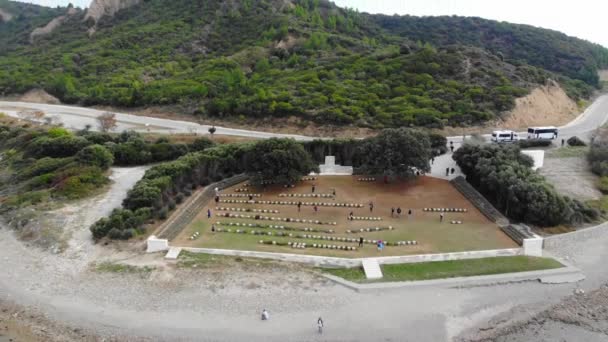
column 77, row 117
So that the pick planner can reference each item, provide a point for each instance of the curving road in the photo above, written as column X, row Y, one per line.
column 72, row 117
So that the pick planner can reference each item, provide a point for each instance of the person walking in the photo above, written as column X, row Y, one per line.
column 316, row 208
column 371, row 206
column 392, row 211
column 409, row 213
column 441, row 218
column 208, row 213
column 265, row 315
column 213, row 228
column 351, row 216
column 320, row 325
column 563, row 141
column 217, row 199
column 447, row 171
column 432, row 160
column 313, row 188
column 299, row 206
column 452, row 170
column 360, row 241
column 399, row 212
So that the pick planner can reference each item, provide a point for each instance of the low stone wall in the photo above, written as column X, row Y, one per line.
column 409, row 259
column 557, row 241
column 314, row 260
column 322, row 261
column 185, row 214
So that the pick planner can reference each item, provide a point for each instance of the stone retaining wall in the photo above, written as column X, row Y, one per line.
column 322, row 261
column 186, row 213
column 557, row 241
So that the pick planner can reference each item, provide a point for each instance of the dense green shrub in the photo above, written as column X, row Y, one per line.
column 439, row 143
column 282, row 160
column 201, row 144
column 603, row 184
column 598, row 156
column 43, row 165
column 575, row 141
column 527, row 143
column 95, row 155
column 395, row 153
column 505, row 177
column 62, row 146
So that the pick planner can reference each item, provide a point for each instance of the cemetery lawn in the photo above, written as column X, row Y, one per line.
column 450, row 269
column 476, row 232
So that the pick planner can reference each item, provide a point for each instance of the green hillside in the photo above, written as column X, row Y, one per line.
column 518, row 44
column 258, row 58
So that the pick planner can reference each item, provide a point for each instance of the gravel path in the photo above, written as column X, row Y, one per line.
column 571, row 177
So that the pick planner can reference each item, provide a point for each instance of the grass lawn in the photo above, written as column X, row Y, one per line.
column 476, row 232
column 567, row 152
column 450, row 269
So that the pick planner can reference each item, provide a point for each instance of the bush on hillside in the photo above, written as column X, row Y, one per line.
column 575, row 141
column 527, row 143
column 95, row 155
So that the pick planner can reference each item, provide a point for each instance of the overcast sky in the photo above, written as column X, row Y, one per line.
column 581, row 18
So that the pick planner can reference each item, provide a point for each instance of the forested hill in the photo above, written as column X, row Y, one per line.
column 248, row 59
column 543, row 48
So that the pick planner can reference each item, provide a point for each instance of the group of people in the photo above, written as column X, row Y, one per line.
column 399, row 211
column 320, row 323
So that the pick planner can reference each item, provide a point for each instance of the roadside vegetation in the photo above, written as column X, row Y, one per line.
column 449, row 269
column 112, row 267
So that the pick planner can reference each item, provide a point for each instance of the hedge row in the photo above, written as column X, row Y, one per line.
column 164, row 185
column 504, row 176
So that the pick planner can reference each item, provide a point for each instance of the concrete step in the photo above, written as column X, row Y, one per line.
column 372, row 269
column 173, row 253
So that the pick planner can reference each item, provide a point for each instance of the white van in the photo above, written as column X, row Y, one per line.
column 550, row 132
column 504, row 136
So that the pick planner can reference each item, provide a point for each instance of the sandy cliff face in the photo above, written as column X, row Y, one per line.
column 603, row 75
column 5, row 16
column 100, row 8
column 545, row 105
column 52, row 25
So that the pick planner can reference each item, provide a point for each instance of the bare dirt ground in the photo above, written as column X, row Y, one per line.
column 545, row 106
column 579, row 317
column 571, row 176
column 36, row 96
column 20, row 324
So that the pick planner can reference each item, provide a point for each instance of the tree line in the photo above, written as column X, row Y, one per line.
column 504, row 175
column 395, row 153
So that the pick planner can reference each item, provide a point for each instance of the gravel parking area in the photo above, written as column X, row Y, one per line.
column 571, row 176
